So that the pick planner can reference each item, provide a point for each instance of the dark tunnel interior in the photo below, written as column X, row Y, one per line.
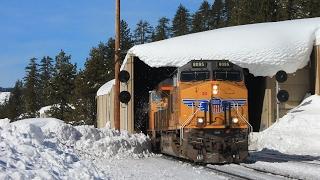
column 256, row 88
column 146, row 79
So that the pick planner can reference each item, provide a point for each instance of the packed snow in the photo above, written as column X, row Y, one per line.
column 51, row 149
column 44, row 112
column 156, row 167
column 47, row 148
column 297, row 132
column 263, row 48
column 106, row 88
column 4, row 96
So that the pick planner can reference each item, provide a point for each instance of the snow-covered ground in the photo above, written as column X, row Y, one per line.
column 47, row 148
column 4, row 96
column 297, row 132
column 50, row 149
column 155, row 167
column 291, row 146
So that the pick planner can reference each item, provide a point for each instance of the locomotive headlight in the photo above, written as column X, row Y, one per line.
column 235, row 120
column 215, row 89
column 200, row 120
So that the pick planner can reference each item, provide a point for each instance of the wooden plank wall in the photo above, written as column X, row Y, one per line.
column 126, row 111
column 317, row 62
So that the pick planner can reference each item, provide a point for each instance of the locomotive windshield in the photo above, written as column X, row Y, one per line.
column 194, row 76
column 227, row 75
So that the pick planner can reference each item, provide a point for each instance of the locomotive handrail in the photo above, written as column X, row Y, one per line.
column 243, row 118
column 185, row 124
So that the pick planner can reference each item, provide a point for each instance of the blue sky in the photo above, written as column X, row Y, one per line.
column 36, row 28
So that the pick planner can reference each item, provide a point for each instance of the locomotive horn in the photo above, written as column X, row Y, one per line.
column 281, row 76
column 124, row 97
column 124, row 76
column 283, row 96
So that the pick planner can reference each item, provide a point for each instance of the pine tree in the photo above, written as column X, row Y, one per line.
column 235, row 12
column 196, row 25
column 126, row 41
column 85, row 108
column 31, row 88
column 217, row 15
column 201, row 19
column 95, row 74
column 254, row 12
column 143, row 32
column 109, row 59
column 46, row 72
column 4, row 109
column 162, row 30
column 313, row 8
column 63, row 85
column 294, row 9
column 181, row 22
column 15, row 107
column 271, row 10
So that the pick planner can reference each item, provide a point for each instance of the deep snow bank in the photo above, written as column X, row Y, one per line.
column 49, row 148
column 298, row 132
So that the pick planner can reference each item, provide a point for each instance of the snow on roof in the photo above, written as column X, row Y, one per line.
column 106, row 88
column 263, row 48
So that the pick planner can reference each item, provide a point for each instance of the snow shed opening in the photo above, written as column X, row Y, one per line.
column 256, row 88
column 146, row 78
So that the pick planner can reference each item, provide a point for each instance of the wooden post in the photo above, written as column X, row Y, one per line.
column 317, row 62
column 117, row 68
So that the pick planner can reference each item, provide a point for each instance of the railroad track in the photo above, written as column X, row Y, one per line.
column 235, row 171
column 227, row 174
column 241, row 172
column 271, row 157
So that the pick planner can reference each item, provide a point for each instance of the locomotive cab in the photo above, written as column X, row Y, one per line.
column 205, row 114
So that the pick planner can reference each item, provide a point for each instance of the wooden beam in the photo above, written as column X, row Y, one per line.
column 117, row 68
column 317, row 63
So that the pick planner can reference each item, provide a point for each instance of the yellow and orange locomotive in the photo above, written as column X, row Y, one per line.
column 201, row 113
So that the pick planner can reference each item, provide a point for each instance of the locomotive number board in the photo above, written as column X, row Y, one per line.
column 224, row 64
column 199, row 64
